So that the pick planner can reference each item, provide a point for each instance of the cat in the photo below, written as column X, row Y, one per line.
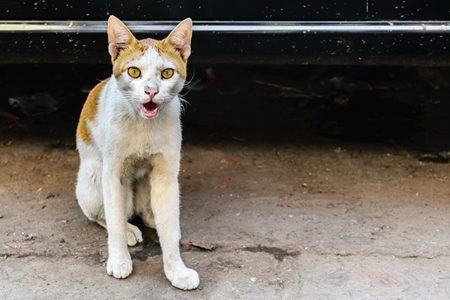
column 129, row 142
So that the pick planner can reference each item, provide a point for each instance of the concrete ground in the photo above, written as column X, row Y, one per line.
column 282, row 197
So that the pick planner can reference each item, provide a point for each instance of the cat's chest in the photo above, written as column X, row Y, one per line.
column 144, row 139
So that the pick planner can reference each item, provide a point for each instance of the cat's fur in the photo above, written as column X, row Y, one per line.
column 129, row 140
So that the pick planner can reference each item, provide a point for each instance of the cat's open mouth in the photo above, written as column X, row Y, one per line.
column 149, row 109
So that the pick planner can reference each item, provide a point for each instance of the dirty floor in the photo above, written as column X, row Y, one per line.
column 297, row 183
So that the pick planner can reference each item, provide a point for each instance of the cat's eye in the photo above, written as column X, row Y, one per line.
column 134, row 72
column 167, row 73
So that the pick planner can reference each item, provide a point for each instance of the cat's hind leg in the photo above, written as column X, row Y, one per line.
column 90, row 199
column 89, row 191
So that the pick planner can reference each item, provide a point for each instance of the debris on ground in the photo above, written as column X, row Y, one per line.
column 284, row 91
column 20, row 245
column 434, row 158
column 203, row 246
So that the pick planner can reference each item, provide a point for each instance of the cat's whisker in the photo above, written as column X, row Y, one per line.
column 187, row 82
column 185, row 93
column 184, row 103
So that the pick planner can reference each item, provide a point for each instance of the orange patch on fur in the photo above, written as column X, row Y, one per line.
column 133, row 51
column 164, row 48
column 89, row 111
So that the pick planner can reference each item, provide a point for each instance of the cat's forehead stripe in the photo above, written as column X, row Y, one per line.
column 89, row 112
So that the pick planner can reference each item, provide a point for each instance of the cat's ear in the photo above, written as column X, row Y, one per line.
column 119, row 37
column 180, row 38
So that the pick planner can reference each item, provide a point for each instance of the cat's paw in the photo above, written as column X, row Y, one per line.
column 134, row 235
column 183, row 278
column 119, row 268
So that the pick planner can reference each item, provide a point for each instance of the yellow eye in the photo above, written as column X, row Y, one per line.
column 134, row 72
column 167, row 73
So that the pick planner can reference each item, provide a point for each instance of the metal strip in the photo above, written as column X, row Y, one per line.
column 232, row 27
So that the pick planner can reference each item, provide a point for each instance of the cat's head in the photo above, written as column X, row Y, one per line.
column 149, row 72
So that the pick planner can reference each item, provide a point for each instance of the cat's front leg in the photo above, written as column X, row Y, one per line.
column 166, row 209
column 119, row 262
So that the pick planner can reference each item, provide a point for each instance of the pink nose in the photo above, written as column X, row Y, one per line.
column 151, row 93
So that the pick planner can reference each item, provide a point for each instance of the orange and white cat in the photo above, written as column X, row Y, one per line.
column 129, row 141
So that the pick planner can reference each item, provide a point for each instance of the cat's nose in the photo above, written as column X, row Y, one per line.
column 151, row 93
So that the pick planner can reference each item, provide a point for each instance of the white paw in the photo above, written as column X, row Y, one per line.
column 134, row 235
column 119, row 268
column 183, row 278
